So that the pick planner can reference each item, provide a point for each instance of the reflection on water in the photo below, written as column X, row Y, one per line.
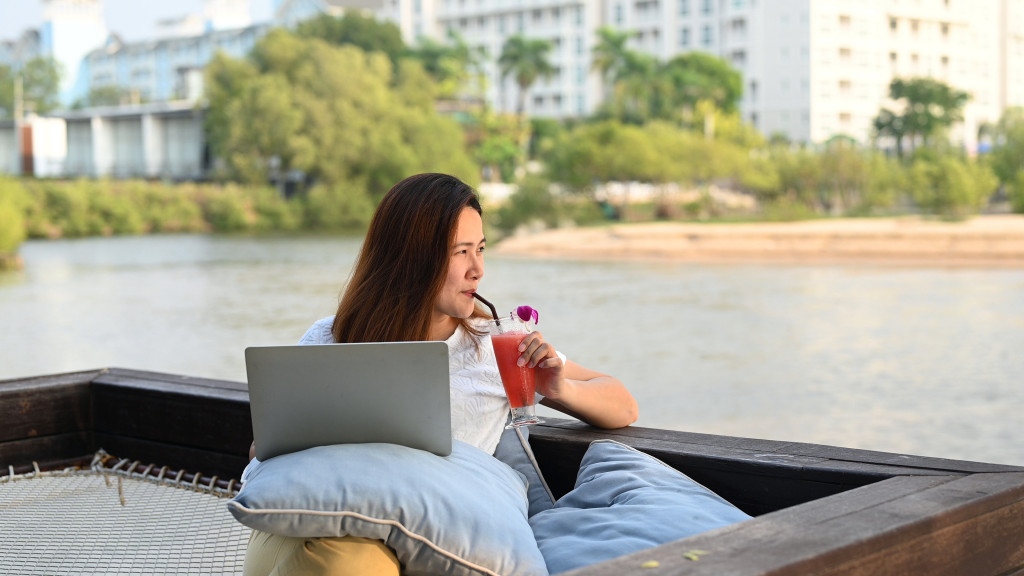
column 922, row 361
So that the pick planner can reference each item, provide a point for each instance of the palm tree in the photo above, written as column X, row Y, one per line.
column 527, row 60
column 610, row 54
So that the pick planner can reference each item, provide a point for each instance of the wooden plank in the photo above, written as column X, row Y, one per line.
column 82, row 377
column 172, row 383
column 178, row 457
column 850, row 455
column 907, row 525
column 206, row 421
column 53, row 451
column 44, row 406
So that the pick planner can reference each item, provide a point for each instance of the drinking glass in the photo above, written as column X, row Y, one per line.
column 506, row 335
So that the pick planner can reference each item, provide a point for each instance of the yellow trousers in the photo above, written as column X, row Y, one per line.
column 272, row 555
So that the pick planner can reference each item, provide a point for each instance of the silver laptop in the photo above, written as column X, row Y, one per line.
column 391, row 392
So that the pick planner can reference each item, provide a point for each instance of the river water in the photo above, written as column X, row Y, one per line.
column 926, row 361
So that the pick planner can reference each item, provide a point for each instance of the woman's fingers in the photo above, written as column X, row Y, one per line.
column 535, row 351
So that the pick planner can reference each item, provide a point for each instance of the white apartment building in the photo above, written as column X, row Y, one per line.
column 812, row 69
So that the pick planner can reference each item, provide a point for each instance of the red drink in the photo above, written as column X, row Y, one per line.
column 518, row 380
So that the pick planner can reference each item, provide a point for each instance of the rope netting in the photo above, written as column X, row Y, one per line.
column 118, row 517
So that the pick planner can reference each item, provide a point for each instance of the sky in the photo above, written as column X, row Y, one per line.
column 131, row 19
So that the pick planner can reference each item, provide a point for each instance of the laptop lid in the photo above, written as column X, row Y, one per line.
column 318, row 395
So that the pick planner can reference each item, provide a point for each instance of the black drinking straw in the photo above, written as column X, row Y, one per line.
column 494, row 311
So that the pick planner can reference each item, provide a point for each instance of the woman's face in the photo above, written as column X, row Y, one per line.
column 465, row 268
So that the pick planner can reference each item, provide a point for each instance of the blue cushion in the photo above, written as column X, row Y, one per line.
column 625, row 501
column 514, row 449
column 464, row 514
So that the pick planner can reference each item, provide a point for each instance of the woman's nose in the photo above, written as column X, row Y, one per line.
column 476, row 267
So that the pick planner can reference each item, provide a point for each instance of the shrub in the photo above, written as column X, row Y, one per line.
column 342, row 207
column 13, row 199
column 950, row 187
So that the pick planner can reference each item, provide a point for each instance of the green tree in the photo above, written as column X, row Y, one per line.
column 355, row 29
column 526, row 60
column 40, row 86
column 109, row 95
column 696, row 76
column 1007, row 156
column 454, row 65
column 334, row 113
column 927, row 108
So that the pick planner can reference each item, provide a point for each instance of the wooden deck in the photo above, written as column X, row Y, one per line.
column 819, row 510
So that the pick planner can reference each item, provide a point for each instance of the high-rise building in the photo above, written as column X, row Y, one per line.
column 71, row 29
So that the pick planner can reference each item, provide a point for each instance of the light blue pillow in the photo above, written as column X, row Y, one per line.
column 464, row 514
column 514, row 449
column 625, row 501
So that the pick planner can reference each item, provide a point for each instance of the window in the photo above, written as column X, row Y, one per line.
column 618, row 13
column 945, row 60
column 581, row 75
column 945, row 29
column 580, row 105
column 579, row 16
column 739, row 58
column 914, row 25
column 706, row 6
column 501, row 24
column 753, row 90
column 737, row 4
column 893, row 24
column 705, row 35
column 845, row 86
column 684, row 37
column 538, row 101
column 537, row 15
column 753, row 119
column 892, row 57
column 844, row 21
column 845, row 117
column 580, row 47
column 558, row 101
column 684, row 7
column 844, row 53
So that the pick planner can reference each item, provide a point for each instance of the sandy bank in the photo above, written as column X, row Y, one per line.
column 983, row 241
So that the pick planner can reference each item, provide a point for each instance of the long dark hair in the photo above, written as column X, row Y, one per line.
column 403, row 263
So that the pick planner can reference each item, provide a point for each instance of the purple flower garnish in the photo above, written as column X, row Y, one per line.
column 525, row 313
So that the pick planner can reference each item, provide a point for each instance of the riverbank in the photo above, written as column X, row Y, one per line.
column 980, row 241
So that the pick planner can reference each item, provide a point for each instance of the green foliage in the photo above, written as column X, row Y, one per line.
column 531, row 201
column 697, row 76
column 455, row 66
column 341, row 207
column 110, row 95
column 1007, row 156
column 332, row 112
column 364, row 32
column 950, row 187
column 644, row 89
column 1015, row 190
column 928, row 107
column 40, row 86
column 526, row 60
column 12, row 218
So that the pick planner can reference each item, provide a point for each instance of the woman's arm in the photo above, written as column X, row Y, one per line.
column 597, row 399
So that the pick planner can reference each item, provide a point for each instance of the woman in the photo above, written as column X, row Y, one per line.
column 415, row 277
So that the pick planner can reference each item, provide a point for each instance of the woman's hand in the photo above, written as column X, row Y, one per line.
column 597, row 399
column 550, row 371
